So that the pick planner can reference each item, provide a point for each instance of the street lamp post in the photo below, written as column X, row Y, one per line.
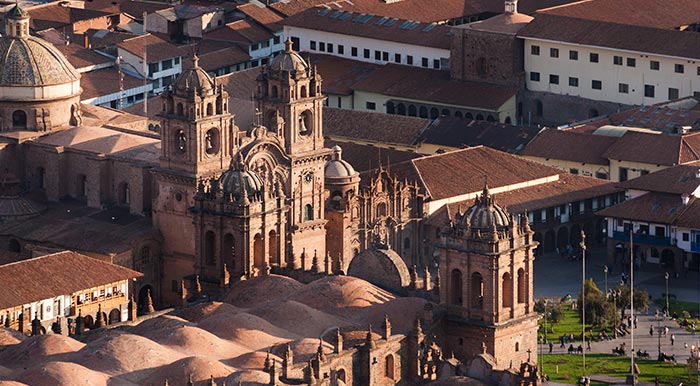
column 605, row 270
column 667, row 310
column 658, row 331
column 583, row 299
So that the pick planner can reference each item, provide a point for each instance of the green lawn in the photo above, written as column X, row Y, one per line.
column 570, row 368
column 678, row 307
column 570, row 323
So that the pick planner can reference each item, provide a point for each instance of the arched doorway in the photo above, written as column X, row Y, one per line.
column 668, row 259
column 562, row 238
column 389, row 366
column 89, row 322
column 434, row 113
column 507, row 121
column 477, row 291
column 210, row 248
column 412, row 111
column 575, row 235
column 258, row 258
column 507, row 288
column 143, row 299
column 115, row 316
column 272, row 248
column 19, row 120
column 390, row 108
column 538, row 237
column 548, row 241
column 401, row 109
column 522, row 288
column 423, row 112
column 456, row 287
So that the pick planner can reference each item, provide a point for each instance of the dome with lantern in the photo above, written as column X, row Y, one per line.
column 485, row 214
column 289, row 60
column 337, row 168
column 238, row 178
column 194, row 79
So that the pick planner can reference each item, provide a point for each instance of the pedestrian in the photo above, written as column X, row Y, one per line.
column 651, row 330
column 673, row 339
column 551, row 346
column 665, row 330
column 656, row 381
column 685, row 345
column 588, row 345
column 635, row 322
column 692, row 325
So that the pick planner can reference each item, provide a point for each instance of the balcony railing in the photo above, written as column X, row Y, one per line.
column 642, row 238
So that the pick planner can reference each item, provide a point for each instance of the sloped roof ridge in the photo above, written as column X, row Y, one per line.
column 544, row 10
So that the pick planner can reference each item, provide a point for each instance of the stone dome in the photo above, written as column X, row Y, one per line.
column 237, row 178
column 289, row 60
column 485, row 213
column 31, row 61
column 336, row 167
column 194, row 78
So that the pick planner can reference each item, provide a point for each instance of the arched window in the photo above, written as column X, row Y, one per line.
column 390, row 108
column 434, row 113
column 40, row 176
column 212, row 141
column 538, row 108
column 210, row 248
column 180, row 109
column 458, row 114
column 389, row 366
column 14, row 246
column 406, row 243
column 412, row 111
column 308, row 212
column 275, row 92
column 19, row 120
column 306, row 123
column 303, row 91
column 401, row 109
column 81, row 186
column 522, row 288
column 423, row 112
column 477, row 291
column 517, row 346
column 446, row 112
column 228, row 253
column 490, row 119
column 341, row 374
column 592, row 113
column 507, row 289
column 456, row 287
column 210, row 109
column 124, row 194
column 180, row 141
column 381, row 210
column 272, row 248
column 508, row 121
column 258, row 258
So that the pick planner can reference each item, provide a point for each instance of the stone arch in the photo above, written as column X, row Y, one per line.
column 19, row 120
column 458, row 114
column 123, row 194
column 412, row 111
column 14, row 246
column 490, row 118
column 306, row 122
column 308, row 212
column 341, row 374
column 477, row 291
column 434, row 113
column 469, row 116
column 209, row 248
column 445, row 112
column 212, row 141
column 180, row 141
column 390, row 108
column 668, row 258
column 210, row 109
column 303, row 92
column 456, row 282
column 389, row 366
column 401, row 109
column 507, row 121
column 507, row 290
column 381, row 209
column 423, row 112
column 562, row 238
column 479, row 117
column 272, row 248
column 180, row 109
column 89, row 322
column 258, row 258
column 381, row 267
column 522, row 286
column 228, row 254
column 275, row 92
column 115, row 316
column 548, row 244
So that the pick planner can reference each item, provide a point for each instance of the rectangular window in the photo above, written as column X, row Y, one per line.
column 312, row 45
column 623, row 88
column 397, row 58
column 340, row 102
column 573, row 82
column 341, row 49
column 631, row 62
column 377, row 55
column 596, row 84
column 436, row 64
column 679, row 68
column 385, row 56
column 424, row 62
column 617, row 60
column 696, row 94
column 686, row 236
column 672, row 93
column 573, row 171
column 254, row 46
column 353, row 51
column 167, row 64
column 573, row 55
column 535, row 50
column 554, row 52
column 265, row 44
column 276, row 40
column 371, row 106
column 409, row 59
column 654, row 65
column 177, row 60
column 152, row 68
column 321, row 46
column 648, row 91
column 366, row 53
column 593, row 57
column 554, row 79
column 534, row 76
column 329, row 48
column 623, row 174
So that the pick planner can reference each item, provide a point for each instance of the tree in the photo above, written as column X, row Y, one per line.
column 599, row 310
column 641, row 299
column 553, row 309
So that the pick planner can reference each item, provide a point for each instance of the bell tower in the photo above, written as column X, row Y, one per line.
column 289, row 98
column 486, row 260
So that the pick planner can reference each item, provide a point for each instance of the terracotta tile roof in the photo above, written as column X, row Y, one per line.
column 506, row 23
column 365, row 158
column 652, row 207
column 459, row 132
column 666, row 116
column 214, row 60
column 262, row 14
column 57, row 274
column 158, row 48
column 570, row 146
column 81, row 57
column 355, row 23
column 339, row 74
column 137, row 8
column 668, row 14
column 240, row 31
column 54, row 15
column 464, row 171
column 102, row 141
column 681, row 179
column 659, row 149
column 104, row 82
column 369, row 126
column 613, row 35
column 98, row 39
column 689, row 217
column 71, row 225
column 434, row 86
